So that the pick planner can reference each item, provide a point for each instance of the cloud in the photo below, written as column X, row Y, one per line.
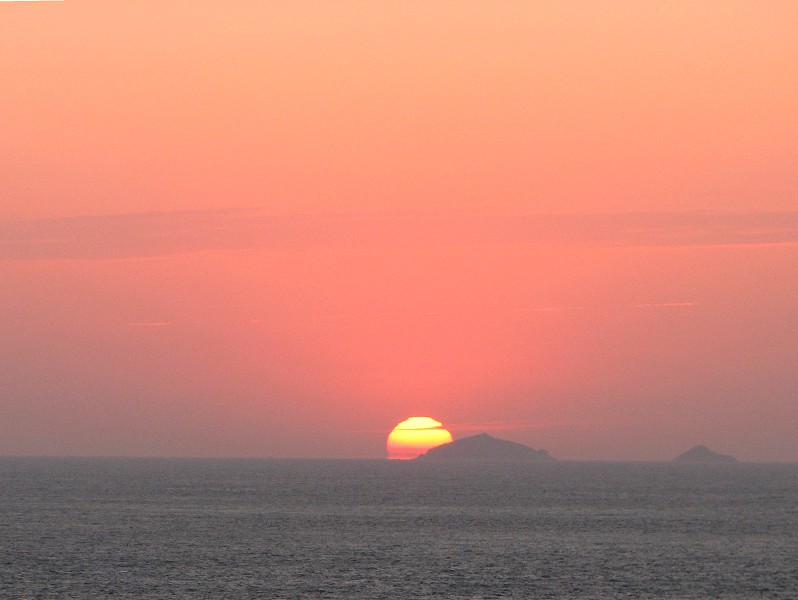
column 535, row 309
column 165, row 233
column 484, row 426
column 666, row 305
column 509, row 426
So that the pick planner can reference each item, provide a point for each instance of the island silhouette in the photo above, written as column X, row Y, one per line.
column 486, row 448
column 702, row 454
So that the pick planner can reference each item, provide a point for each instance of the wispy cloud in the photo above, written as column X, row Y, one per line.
column 457, row 312
column 483, row 426
column 165, row 233
column 545, row 309
column 666, row 305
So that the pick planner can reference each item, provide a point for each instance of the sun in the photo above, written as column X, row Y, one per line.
column 414, row 436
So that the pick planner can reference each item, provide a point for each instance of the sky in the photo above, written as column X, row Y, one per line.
column 277, row 229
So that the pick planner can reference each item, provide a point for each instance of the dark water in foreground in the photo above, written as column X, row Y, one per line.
column 170, row 528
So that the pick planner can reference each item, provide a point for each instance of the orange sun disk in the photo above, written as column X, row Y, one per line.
column 414, row 436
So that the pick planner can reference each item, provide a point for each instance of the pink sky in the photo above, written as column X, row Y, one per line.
column 280, row 228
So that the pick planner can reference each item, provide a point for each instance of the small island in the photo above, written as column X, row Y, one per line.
column 703, row 455
column 485, row 448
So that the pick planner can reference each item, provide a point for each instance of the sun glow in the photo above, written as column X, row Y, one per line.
column 414, row 436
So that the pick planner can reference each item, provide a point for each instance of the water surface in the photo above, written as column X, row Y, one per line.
column 197, row 528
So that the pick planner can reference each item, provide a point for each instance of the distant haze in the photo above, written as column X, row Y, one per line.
column 278, row 229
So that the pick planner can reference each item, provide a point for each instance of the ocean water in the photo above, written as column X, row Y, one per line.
column 185, row 528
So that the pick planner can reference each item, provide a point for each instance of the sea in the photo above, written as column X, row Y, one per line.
column 240, row 528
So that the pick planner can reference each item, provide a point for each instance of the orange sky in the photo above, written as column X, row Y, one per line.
column 279, row 228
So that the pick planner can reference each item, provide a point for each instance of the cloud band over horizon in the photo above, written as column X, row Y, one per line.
column 152, row 234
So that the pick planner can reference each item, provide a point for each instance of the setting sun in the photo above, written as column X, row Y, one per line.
column 414, row 436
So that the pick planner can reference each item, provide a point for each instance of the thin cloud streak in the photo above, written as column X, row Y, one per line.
column 484, row 426
column 667, row 305
column 143, row 235
column 508, row 426
column 535, row 309
column 460, row 312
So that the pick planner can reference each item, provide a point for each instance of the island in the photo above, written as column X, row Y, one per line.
column 702, row 454
column 485, row 448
